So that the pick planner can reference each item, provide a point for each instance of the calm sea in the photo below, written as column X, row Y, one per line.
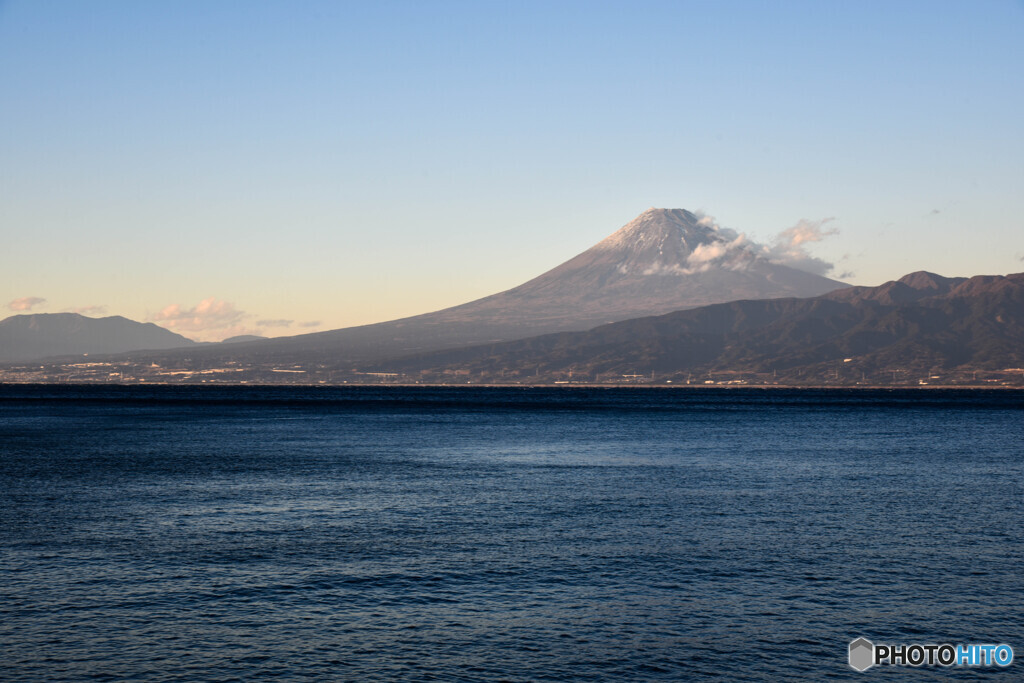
column 239, row 534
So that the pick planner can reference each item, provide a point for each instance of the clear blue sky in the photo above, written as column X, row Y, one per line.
column 347, row 162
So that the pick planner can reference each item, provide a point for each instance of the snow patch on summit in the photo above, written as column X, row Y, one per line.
column 678, row 242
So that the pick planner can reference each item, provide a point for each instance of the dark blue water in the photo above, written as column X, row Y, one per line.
column 174, row 533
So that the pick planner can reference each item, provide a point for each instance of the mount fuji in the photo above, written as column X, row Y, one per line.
column 664, row 260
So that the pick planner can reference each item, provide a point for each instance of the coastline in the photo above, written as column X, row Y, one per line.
column 556, row 385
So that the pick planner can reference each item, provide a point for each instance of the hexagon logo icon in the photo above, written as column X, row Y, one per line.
column 862, row 654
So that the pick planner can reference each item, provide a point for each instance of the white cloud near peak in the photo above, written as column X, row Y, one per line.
column 736, row 252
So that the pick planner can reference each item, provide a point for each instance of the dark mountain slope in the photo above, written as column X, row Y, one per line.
column 921, row 321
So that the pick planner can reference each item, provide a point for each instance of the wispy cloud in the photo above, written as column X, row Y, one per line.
column 274, row 323
column 26, row 303
column 788, row 247
column 310, row 323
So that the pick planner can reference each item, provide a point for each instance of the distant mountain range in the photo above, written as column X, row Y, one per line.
column 668, row 298
column 664, row 260
column 43, row 335
column 921, row 326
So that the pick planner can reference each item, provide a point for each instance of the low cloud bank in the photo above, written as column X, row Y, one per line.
column 214, row 319
column 209, row 320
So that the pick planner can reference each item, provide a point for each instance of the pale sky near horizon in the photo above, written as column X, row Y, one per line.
column 340, row 163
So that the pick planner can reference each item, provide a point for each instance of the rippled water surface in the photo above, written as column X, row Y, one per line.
column 172, row 533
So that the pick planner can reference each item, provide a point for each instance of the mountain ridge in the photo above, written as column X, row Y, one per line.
column 921, row 329
column 29, row 336
column 920, row 322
